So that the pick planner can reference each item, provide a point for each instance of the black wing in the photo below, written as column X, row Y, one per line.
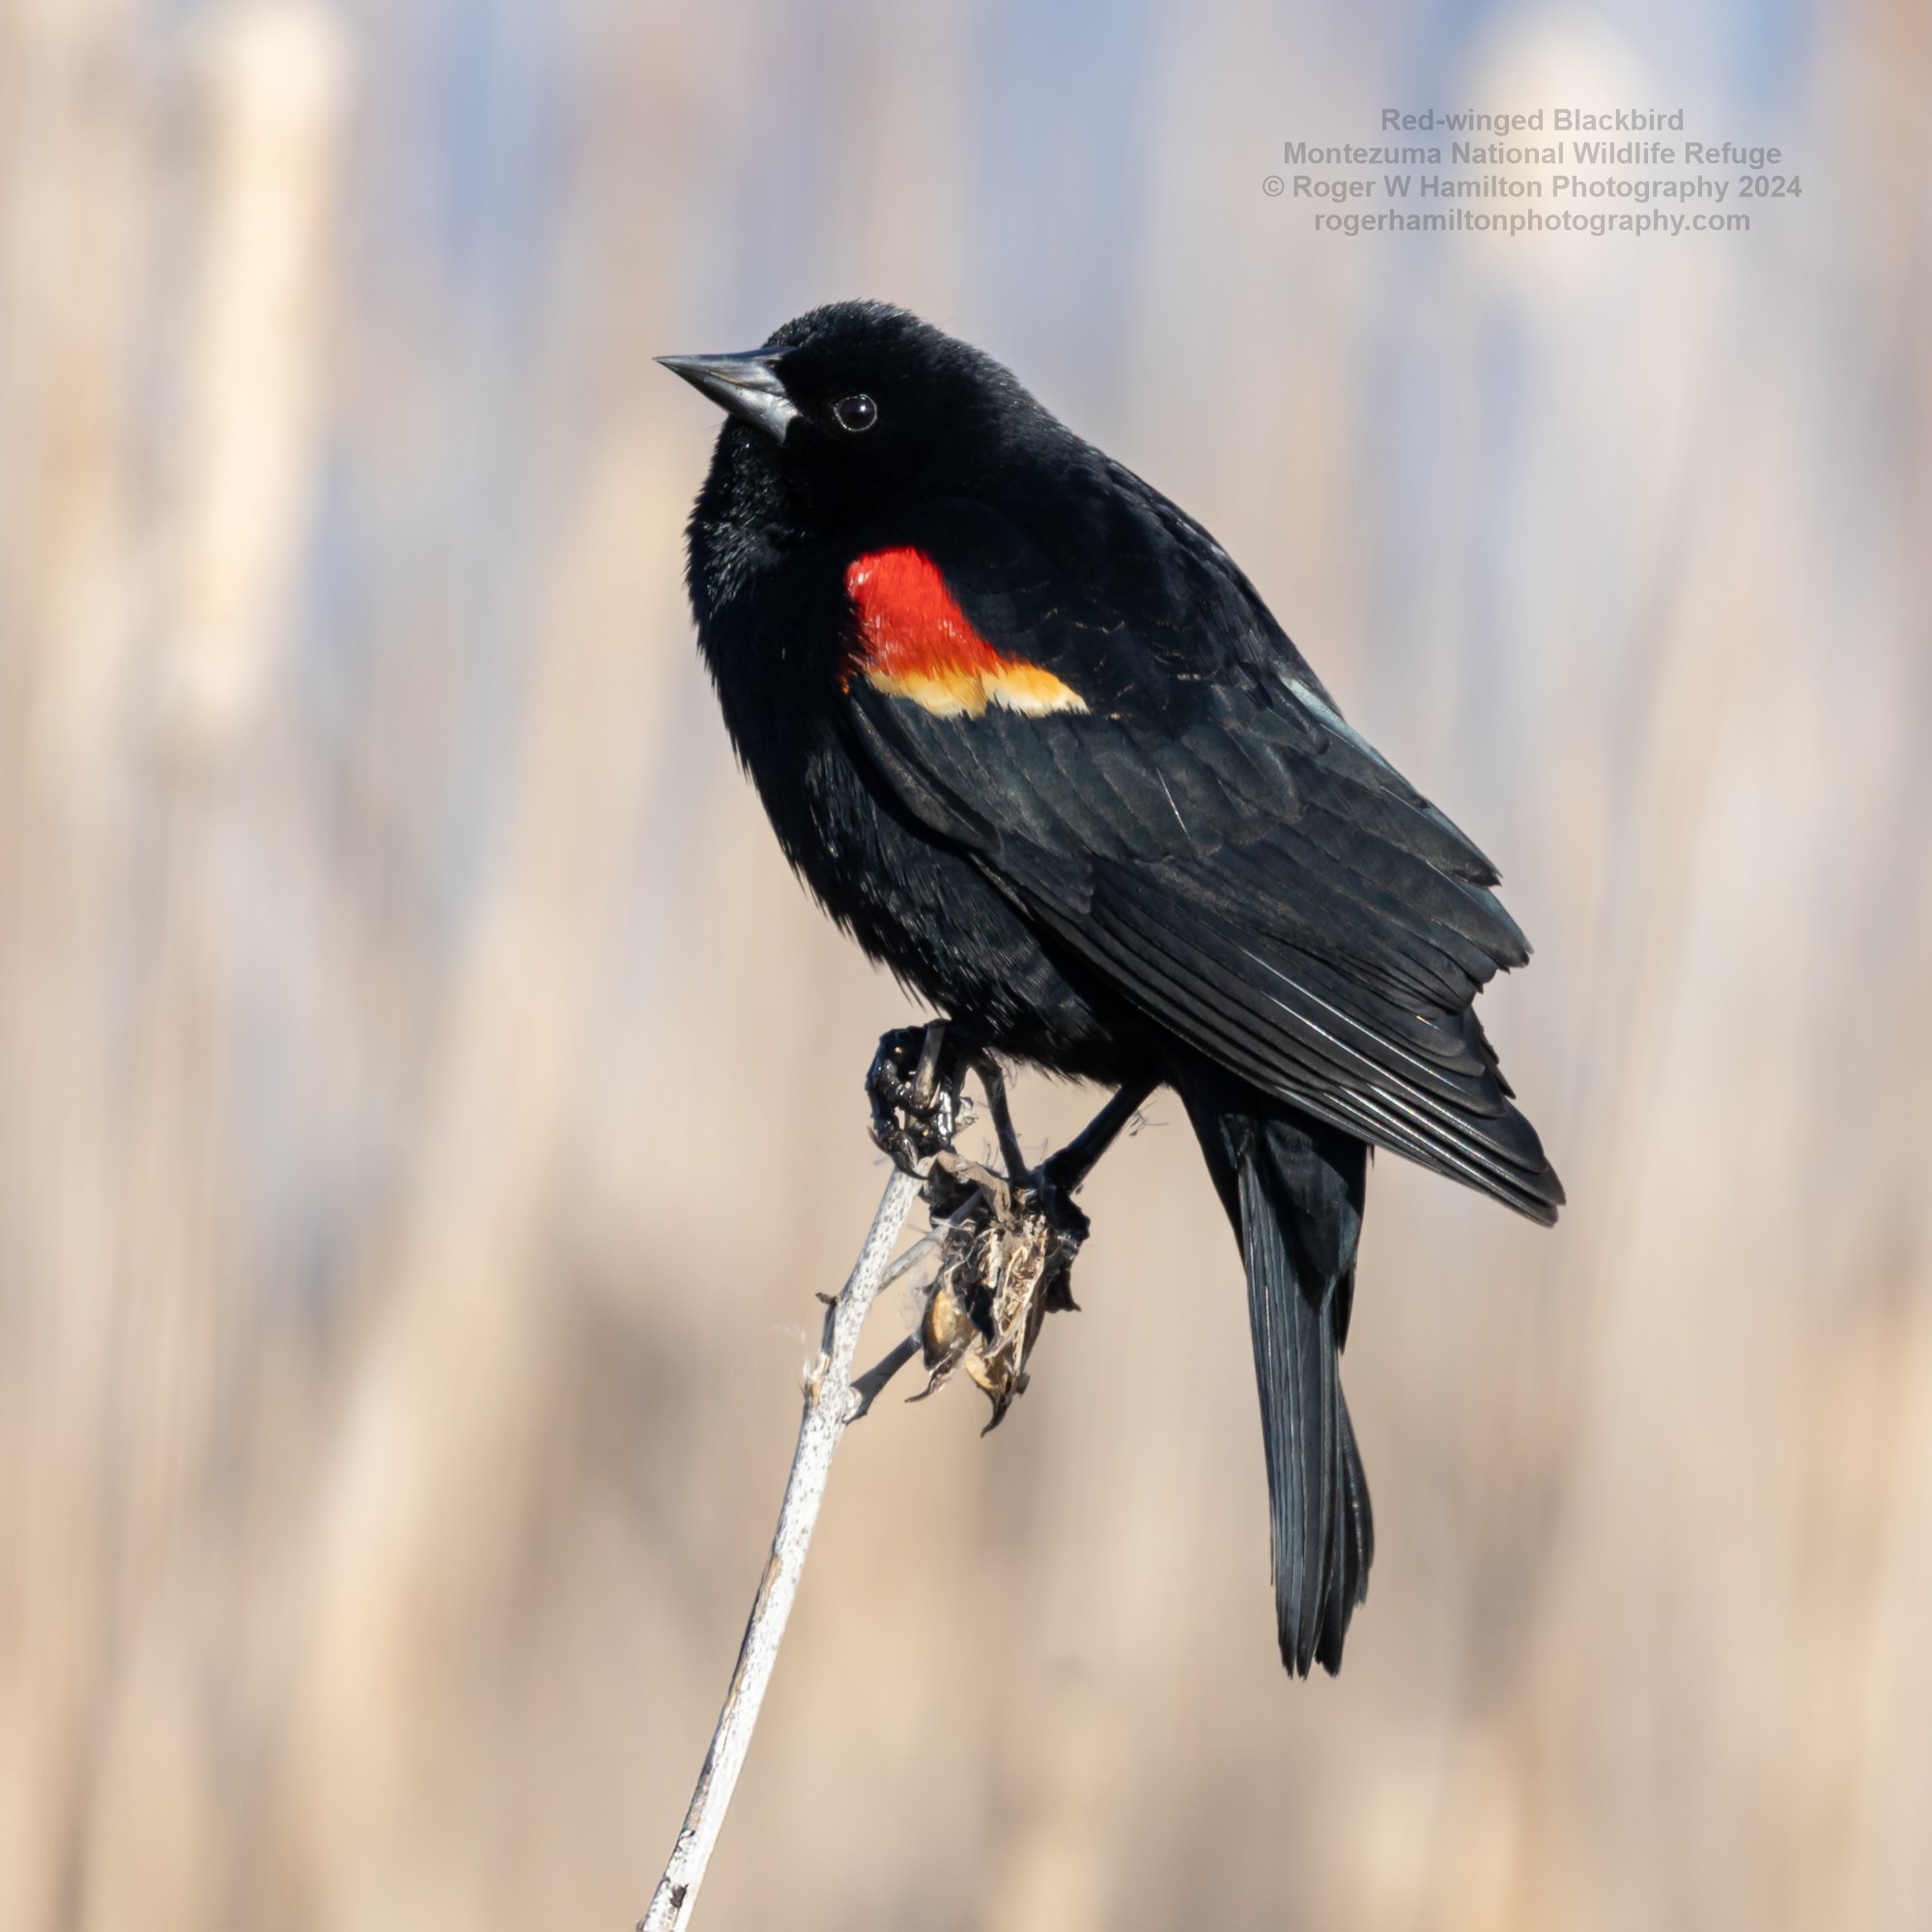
column 1213, row 836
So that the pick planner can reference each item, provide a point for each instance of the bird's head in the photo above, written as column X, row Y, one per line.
column 855, row 402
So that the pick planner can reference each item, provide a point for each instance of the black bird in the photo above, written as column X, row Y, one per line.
column 1028, row 735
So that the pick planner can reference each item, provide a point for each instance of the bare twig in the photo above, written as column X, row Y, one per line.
column 998, row 1242
column 830, row 1404
column 866, row 1388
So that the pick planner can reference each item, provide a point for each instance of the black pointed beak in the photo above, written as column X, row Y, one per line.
column 745, row 383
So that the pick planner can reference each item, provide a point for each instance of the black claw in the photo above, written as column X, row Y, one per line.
column 1006, row 1241
column 915, row 1097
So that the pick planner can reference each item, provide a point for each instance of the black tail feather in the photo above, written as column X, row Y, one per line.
column 1293, row 1186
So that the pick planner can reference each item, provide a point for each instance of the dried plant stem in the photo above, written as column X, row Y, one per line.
column 831, row 1401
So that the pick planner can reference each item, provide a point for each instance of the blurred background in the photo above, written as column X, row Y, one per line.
column 403, row 1297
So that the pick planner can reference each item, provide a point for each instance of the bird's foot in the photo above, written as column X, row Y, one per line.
column 1006, row 1241
column 913, row 1087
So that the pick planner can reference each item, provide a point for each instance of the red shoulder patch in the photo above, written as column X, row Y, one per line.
column 913, row 642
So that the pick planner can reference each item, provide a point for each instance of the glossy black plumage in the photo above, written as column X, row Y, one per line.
column 1184, row 868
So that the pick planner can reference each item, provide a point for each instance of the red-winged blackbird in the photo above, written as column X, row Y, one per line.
column 1031, row 737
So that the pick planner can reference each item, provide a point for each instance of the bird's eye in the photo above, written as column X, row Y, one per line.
column 854, row 412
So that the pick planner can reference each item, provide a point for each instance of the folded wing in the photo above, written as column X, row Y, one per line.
column 1195, row 819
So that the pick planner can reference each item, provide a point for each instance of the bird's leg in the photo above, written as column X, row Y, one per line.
column 1006, row 1241
column 993, row 1084
column 1064, row 1171
column 913, row 1087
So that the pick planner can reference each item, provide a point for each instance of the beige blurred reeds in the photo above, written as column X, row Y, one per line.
column 426, row 1107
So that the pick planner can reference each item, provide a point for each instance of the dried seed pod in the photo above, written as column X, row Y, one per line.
column 1005, row 1261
